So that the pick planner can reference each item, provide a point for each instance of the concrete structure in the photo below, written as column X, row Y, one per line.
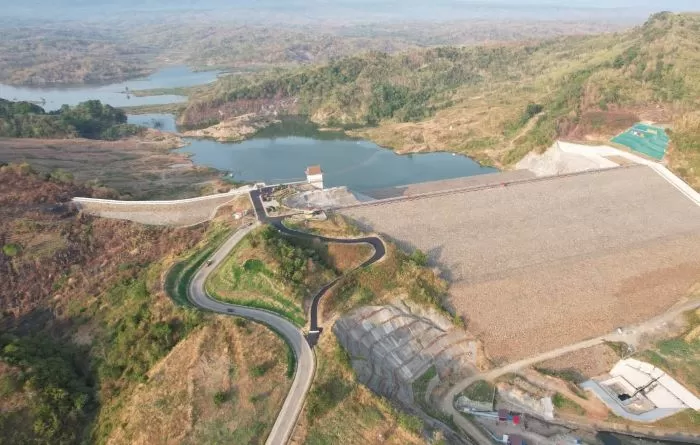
column 324, row 199
column 641, row 392
column 392, row 346
column 181, row 212
column 314, row 176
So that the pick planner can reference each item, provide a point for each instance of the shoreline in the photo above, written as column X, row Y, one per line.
column 218, row 134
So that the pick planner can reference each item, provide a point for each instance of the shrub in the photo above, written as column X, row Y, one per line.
column 410, row 423
column 480, row 391
column 60, row 175
column 11, row 249
column 419, row 257
column 326, row 395
column 261, row 369
column 59, row 382
column 220, row 397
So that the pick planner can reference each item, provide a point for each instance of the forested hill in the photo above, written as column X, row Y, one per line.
column 475, row 99
column 90, row 119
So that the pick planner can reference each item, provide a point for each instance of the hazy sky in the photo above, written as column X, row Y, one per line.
column 339, row 10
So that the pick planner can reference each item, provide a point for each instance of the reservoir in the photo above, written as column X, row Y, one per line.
column 113, row 94
column 281, row 153
column 276, row 154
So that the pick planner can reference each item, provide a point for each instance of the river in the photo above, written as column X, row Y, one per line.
column 114, row 94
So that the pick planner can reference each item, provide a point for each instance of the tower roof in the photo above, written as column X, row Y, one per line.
column 313, row 170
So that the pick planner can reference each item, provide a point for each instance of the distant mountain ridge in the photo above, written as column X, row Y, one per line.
column 344, row 10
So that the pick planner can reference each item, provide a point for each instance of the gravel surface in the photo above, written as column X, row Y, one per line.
column 450, row 184
column 590, row 362
column 542, row 264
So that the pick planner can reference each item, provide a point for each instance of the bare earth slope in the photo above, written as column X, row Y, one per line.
column 542, row 264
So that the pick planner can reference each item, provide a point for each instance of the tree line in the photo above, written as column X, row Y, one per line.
column 91, row 119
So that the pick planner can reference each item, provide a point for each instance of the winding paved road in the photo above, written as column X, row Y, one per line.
column 276, row 221
column 306, row 361
column 375, row 242
column 301, row 345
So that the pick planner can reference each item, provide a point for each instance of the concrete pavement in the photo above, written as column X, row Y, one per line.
column 306, row 361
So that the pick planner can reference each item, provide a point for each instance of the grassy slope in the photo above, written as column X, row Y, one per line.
column 339, row 410
column 680, row 356
column 212, row 388
column 474, row 99
column 86, row 325
column 272, row 272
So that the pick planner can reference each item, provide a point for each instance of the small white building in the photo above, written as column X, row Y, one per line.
column 314, row 176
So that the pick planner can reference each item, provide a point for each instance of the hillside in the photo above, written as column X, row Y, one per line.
column 91, row 349
column 48, row 55
column 43, row 54
column 494, row 102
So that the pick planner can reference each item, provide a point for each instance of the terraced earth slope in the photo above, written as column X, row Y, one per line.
column 392, row 346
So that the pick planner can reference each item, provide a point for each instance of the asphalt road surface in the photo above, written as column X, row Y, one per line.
column 376, row 243
column 301, row 345
column 306, row 361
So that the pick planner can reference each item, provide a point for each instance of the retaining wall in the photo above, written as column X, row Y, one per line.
column 181, row 212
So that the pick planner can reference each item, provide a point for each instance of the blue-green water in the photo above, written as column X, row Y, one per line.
column 282, row 152
column 113, row 94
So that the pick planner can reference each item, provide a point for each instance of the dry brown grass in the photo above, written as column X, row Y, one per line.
column 687, row 421
column 334, row 226
column 10, row 399
column 345, row 257
column 141, row 169
column 177, row 404
column 683, row 159
column 359, row 417
column 594, row 408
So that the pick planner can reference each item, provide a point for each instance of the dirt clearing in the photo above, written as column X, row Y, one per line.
column 538, row 265
column 143, row 169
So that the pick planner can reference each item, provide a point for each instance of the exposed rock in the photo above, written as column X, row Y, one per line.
column 392, row 346
column 325, row 199
column 233, row 130
column 520, row 397
column 464, row 402
column 555, row 161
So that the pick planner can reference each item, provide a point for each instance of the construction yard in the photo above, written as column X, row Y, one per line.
column 539, row 264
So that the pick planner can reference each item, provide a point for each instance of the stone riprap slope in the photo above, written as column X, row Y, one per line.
column 450, row 184
column 392, row 346
column 541, row 264
column 181, row 213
